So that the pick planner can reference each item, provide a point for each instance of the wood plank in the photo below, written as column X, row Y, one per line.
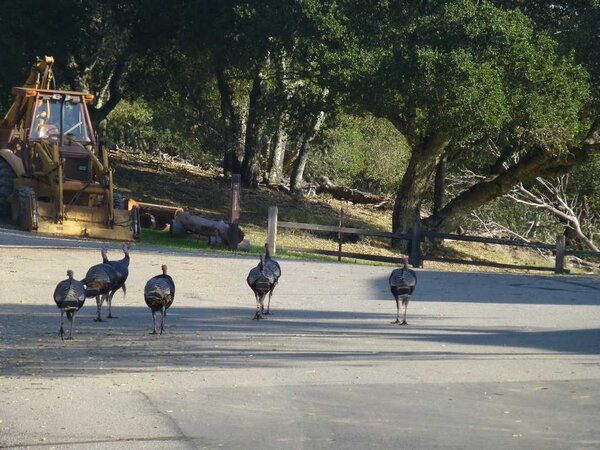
column 583, row 253
column 345, row 230
column 379, row 258
column 489, row 264
column 486, row 240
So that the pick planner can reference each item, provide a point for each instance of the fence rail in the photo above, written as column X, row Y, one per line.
column 487, row 240
column 344, row 230
column 415, row 237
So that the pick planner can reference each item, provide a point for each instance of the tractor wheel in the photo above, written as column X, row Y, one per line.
column 26, row 208
column 7, row 178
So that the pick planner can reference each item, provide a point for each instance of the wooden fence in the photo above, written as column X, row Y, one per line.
column 415, row 237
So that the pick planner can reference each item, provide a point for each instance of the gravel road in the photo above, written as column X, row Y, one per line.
column 487, row 361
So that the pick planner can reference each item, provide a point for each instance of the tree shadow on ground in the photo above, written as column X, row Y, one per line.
column 437, row 286
column 204, row 338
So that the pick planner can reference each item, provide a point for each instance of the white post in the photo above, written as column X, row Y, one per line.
column 272, row 229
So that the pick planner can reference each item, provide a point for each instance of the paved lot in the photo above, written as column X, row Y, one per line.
column 487, row 361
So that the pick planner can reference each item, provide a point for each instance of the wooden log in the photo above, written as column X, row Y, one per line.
column 161, row 215
column 353, row 195
column 186, row 222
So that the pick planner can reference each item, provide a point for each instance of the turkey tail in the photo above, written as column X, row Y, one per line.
column 92, row 292
column 156, row 299
column 95, row 288
column 263, row 284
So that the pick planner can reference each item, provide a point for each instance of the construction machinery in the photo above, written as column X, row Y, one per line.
column 54, row 177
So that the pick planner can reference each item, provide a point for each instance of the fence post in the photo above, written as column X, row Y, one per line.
column 340, row 234
column 272, row 229
column 234, row 232
column 415, row 245
column 559, row 266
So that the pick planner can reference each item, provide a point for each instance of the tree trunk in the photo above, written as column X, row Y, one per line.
column 450, row 217
column 277, row 155
column 415, row 183
column 232, row 124
column 439, row 188
column 297, row 175
column 250, row 164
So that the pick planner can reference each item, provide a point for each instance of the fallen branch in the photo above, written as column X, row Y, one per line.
column 353, row 195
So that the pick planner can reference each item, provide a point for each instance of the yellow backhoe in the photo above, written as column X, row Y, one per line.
column 54, row 178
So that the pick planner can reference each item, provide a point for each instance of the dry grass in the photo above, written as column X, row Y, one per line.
column 207, row 192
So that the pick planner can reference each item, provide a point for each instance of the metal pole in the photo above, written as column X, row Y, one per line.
column 59, row 185
column 272, row 229
column 559, row 267
column 236, row 183
column 340, row 234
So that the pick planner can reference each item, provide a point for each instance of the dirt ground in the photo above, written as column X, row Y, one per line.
column 487, row 360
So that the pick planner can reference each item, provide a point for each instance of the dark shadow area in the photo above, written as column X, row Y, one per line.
column 199, row 338
column 501, row 288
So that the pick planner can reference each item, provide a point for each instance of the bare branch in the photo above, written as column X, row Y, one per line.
column 553, row 198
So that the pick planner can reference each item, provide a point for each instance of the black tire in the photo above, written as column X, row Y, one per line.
column 7, row 180
column 27, row 208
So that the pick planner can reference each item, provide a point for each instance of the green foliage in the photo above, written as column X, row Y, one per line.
column 141, row 126
column 362, row 152
column 476, row 70
column 585, row 183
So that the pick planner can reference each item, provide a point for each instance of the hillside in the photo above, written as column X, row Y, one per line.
column 205, row 190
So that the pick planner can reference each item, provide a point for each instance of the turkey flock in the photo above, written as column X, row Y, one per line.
column 103, row 280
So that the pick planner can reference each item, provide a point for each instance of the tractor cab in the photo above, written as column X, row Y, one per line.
column 54, row 178
column 61, row 118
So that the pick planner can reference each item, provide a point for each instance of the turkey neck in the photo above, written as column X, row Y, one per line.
column 125, row 260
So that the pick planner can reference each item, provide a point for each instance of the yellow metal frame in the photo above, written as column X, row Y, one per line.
column 92, row 216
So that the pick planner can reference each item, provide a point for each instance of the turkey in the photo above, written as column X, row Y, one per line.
column 100, row 280
column 273, row 266
column 402, row 284
column 159, row 294
column 262, row 281
column 69, row 296
column 121, row 268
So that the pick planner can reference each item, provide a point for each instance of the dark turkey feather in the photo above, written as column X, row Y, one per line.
column 402, row 284
column 159, row 292
column 121, row 268
column 403, row 281
column 262, row 279
column 99, row 279
column 69, row 296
